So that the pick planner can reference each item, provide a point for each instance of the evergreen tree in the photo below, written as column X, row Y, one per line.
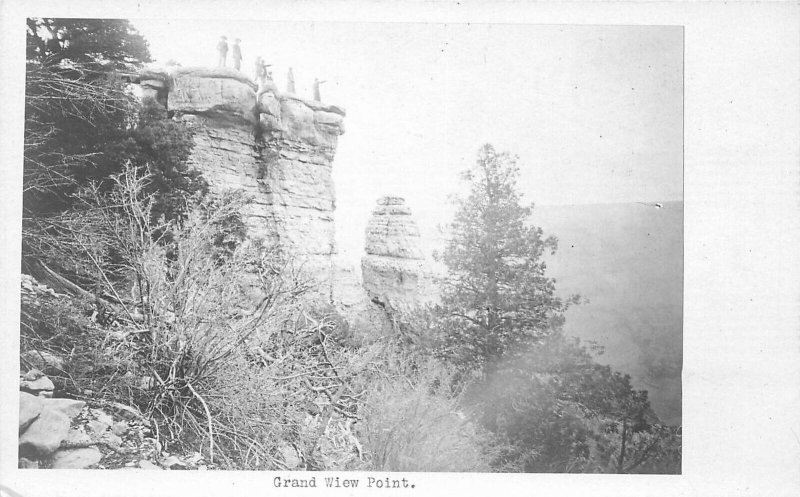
column 95, row 42
column 83, row 126
column 556, row 410
column 496, row 299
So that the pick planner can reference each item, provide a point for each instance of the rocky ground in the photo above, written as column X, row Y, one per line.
column 59, row 432
column 62, row 433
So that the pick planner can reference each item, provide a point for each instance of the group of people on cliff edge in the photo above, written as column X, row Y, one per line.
column 262, row 72
column 236, row 53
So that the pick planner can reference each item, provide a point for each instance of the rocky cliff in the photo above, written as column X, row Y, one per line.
column 275, row 147
column 278, row 149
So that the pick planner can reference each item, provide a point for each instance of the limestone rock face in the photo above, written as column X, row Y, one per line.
column 300, row 138
column 394, row 270
column 201, row 89
column 274, row 147
column 392, row 232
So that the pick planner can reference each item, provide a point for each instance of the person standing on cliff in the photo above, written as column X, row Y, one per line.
column 237, row 55
column 290, row 81
column 222, row 49
column 260, row 70
column 316, row 89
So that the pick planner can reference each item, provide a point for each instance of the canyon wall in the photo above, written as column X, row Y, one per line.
column 275, row 147
column 278, row 149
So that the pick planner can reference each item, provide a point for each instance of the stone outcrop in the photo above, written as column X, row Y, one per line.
column 36, row 383
column 394, row 270
column 41, row 434
column 278, row 149
column 367, row 320
column 274, row 147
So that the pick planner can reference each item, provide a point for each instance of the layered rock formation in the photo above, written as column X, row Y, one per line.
column 393, row 269
column 278, row 149
column 275, row 147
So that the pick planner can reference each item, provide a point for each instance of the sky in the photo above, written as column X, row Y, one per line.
column 595, row 113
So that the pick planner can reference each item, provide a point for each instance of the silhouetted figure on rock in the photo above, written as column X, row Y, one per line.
column 222, row 50
column 237, row 55
column 263, row 75
column 316, row 89
column 290, row 81
column 260, row 70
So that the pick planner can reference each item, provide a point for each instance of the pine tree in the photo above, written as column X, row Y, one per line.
column 496, row 299
column 91, row 42
column 84, row 126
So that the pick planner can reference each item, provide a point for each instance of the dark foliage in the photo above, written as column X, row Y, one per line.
column 556, row 410
column 84, row 126
column 496, row 299
column 100, row 42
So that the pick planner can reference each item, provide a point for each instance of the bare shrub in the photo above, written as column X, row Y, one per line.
column 222, row 343
column 412, row 418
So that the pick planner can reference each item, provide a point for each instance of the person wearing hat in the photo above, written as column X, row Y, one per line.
column 237, row 55
column 222, row 49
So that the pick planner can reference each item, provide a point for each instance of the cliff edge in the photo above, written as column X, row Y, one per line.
column 275, row 147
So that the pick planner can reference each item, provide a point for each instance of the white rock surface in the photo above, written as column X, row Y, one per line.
column 45, row 434
column 76, row 458
column 30, row 407
column 25, row 463
column 145, row 464
column 69, row 407
column 36, row 383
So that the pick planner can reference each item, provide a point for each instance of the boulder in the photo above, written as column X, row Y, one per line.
column 120, row 428
column 76, row 458
column 25, row 463
column 44, row 361
column 45, row 434
column 29, row 409
column 68, row 407
column 32, row 375
column 145, row 464
column 37, row 383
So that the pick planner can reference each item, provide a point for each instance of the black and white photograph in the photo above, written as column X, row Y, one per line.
column 362, row 255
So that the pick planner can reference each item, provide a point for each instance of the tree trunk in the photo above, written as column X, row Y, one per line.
column 621, row 458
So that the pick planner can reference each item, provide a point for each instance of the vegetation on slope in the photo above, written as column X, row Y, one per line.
column 224, row 345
